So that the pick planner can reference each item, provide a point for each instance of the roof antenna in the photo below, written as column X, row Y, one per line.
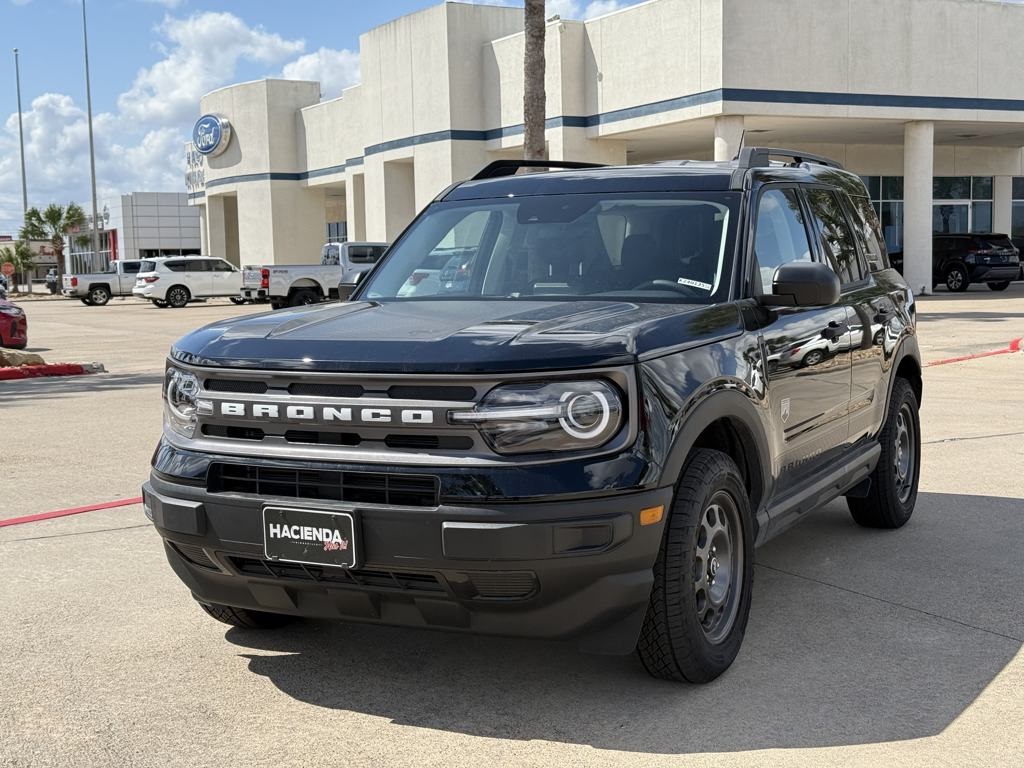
column 743, row 135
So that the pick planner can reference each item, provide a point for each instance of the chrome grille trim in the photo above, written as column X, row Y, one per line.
column 365, row 443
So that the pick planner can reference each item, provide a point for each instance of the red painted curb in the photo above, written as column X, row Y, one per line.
column 72, row 511
column 50, row 369
column 1014, row 346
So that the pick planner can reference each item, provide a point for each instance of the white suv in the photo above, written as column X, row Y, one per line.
column 175, row 281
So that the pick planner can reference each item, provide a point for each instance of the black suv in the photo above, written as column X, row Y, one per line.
column 580, row 431
column 959, row 259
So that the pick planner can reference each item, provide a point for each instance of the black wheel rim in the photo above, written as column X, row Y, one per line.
column 177, row 297
column 718, row 567
column 904, row 453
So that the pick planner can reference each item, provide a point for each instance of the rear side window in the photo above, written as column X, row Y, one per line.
column 780, row 235
column 199, row 265
column 869, row 233
column 147, row 266
column 365, row 254
column 836, row 235
column 176, row 266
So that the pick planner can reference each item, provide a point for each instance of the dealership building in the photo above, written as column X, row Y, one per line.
column 923, row 98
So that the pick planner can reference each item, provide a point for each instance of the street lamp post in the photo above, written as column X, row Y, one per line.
column 92, row 150
column 21, row 139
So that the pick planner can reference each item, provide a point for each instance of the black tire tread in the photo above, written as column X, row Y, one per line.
column 666, row 647
column 243, row 617
column 881, row 508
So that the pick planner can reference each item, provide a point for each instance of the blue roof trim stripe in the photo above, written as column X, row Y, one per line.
column 755, row 95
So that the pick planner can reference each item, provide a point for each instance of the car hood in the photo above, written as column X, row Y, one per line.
column 456, row 336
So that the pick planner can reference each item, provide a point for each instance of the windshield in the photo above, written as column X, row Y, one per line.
column 636, row 246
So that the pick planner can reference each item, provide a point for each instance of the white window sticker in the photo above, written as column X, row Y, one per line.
column 694, row 283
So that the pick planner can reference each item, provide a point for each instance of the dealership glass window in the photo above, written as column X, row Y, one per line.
column 1017, row 221
column 337, row 231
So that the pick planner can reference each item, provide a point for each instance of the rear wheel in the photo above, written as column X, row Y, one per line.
column 893, row 492
column 159, row 303
column 178, row 296
column 237, row 300
column 303, row 296
column 813, row 357
column 277, row 304
column 703, row 576
column 957, row 279
column 1000, row 286
column 243, row 617
column 99, row 295
column 86, row 300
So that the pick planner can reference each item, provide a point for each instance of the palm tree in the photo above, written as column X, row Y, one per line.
column 534, row 147
column 53, row 223
column 21, row 257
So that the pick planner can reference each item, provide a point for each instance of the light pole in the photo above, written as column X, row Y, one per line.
column 92, row 150
column 21, row 139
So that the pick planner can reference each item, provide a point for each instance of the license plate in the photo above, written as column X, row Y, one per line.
column 310, row 537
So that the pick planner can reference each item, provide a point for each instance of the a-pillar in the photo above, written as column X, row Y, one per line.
column 728, row 135
column 1002, row 204
column 918, row 164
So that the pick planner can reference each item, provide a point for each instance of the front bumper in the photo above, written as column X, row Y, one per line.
column 554, row 569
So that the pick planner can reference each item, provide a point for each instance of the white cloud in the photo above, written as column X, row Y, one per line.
column 204, row 52
column 335, row 69
column 140, row 145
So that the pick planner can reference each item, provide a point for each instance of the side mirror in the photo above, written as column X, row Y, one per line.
column 803, row 284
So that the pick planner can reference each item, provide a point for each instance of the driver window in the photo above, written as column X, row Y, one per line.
column 780, row 235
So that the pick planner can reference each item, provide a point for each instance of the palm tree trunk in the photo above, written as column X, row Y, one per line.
column 534, row 146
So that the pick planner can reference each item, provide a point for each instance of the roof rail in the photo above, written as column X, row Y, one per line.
column 758, row 157
column 509, row 167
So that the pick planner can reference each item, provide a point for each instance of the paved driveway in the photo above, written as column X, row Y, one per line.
column 864, row 648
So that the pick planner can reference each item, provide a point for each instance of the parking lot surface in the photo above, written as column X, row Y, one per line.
column 864, row 647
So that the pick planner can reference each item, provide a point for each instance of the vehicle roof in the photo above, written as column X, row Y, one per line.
column 670, row 176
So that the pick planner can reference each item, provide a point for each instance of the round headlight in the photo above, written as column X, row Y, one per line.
column 180, row 391
column 586, row 414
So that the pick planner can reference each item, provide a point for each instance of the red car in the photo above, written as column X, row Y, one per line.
column 13, row 325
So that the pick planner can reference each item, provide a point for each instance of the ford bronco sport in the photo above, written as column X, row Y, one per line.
column 581, row 429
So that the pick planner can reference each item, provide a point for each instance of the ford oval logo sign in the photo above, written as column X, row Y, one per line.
column 211, row 135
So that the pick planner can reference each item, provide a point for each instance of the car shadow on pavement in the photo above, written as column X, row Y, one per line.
column 28, row 392
column 856, row 636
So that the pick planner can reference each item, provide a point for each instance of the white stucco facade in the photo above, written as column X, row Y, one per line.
column 916, row 95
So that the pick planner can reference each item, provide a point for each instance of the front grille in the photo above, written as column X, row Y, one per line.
column 326, row 390
column 426, row 442
column 195, row 555
column 405, row 581
column 309, row 437
column 235, row 385
column 447, row 394
column 233, row 433
column 503, row 585
column 326, row 485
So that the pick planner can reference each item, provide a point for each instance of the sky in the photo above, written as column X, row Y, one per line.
column 150, row 62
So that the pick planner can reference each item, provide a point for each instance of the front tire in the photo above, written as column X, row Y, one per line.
column 243, row 617
column 893, row 493
column 1002, row 285
column 703, row 577
column 957, row 279
column 814, row 357
column 159, row 304
column 178, row 296
column 237, row 300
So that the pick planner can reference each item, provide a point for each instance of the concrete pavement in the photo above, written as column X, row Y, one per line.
column 864, row 648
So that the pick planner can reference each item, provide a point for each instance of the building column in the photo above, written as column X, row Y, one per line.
column 918, row 163
column 728, row 135
column 1002, row 204
column 216, row 226
column 204, row 243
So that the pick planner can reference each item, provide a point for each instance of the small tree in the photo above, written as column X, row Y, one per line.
column 54, row 223
column 21, row 257
column 534, row 146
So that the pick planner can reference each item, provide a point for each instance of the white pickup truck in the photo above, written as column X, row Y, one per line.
column 290, row 285
column 95, row 289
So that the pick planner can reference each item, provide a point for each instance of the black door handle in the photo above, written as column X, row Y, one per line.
column 837, row 324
